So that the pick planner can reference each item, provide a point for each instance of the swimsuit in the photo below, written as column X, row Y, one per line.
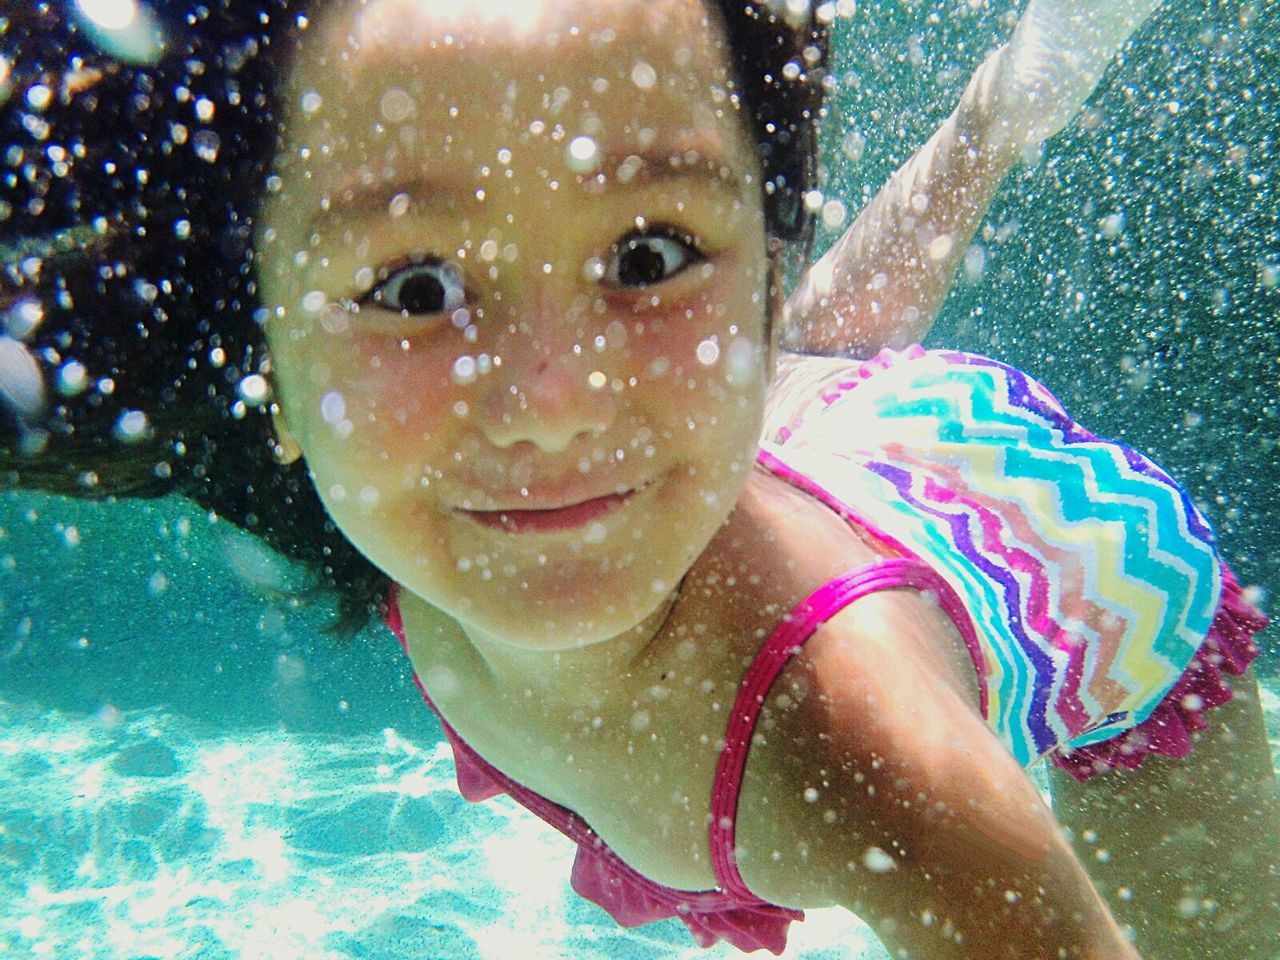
column 1083, row 581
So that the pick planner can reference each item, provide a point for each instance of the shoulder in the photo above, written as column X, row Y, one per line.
column 870, row 727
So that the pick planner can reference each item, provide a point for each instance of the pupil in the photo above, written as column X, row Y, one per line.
column 640, row 265
column 422, row 294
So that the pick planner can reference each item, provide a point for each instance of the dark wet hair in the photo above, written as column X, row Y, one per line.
column 127, row 198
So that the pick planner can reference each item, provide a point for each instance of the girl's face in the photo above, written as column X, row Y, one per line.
column 516, row 262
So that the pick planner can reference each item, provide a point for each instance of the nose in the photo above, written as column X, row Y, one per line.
column 547, row 397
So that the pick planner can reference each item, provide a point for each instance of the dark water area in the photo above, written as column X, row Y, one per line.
column 131, row 605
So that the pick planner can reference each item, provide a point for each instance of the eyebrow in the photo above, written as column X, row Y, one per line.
column 630, row 170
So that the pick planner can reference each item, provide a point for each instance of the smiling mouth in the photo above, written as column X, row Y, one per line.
column 570, row 516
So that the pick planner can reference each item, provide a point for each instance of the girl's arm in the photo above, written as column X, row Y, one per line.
column 884, row 281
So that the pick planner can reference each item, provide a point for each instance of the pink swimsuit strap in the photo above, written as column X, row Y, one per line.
column 819, row 607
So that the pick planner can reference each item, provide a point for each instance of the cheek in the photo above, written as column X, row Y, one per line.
column 390, row 384
column 712, row 344
column 365, row 405
column 693, row 333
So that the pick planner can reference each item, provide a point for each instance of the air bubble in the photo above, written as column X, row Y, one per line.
column 131, row 426
column 396, row 105
column 333, row 407
column 854, row 146
column 333, row 318
column 73, row 377
column 643, row 75
column 22, row 319
column 311, row 102
column 38, row 96
column 877, row 861
column 975, row 262
column 110, row 14
column 253, row 389
column 834, row 214
column 582, row 155
column 1112, row 226
column 399, row 205
column 741, row 363
column 464, row 370
column 206, row 145
column 441, row 681
column 314, row 301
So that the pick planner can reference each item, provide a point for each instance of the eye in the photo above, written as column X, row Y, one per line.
column 420, row 289
column 641, row 259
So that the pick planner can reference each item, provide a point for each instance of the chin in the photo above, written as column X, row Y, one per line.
column 564, row 610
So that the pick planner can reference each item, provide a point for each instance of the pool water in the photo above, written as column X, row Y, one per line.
column 190, row 768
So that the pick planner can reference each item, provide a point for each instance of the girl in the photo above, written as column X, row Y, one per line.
column 518, row 270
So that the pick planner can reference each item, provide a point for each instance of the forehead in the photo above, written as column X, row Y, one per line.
column 617, row 63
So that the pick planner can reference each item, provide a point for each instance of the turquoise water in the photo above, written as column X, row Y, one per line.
column 190, row 768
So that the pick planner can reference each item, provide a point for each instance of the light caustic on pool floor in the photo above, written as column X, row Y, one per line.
column 144, row 835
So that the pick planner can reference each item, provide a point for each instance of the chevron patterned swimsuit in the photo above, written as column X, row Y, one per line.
column 1084, row 581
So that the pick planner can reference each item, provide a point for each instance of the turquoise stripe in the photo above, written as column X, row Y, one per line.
column 1166, row 534
column 1083, row 460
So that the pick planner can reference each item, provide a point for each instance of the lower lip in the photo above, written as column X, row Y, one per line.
column 570, row 517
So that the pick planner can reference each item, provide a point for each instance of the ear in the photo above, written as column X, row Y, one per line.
column 287, row 449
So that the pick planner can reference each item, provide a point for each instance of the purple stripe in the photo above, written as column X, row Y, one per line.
column 1042, row 665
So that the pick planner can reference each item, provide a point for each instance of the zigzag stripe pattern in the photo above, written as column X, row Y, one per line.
column 1090, row 576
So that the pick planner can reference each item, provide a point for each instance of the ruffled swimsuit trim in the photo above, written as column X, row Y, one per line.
column 1228, row 648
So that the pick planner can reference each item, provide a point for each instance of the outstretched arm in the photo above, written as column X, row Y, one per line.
column 884, row 281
